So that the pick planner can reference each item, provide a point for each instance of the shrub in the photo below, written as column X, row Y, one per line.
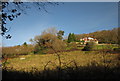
column 89, row 46
column 116, row 49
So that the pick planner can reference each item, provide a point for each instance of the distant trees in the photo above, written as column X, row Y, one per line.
column 71, row 37
column 104, row 36
column 51, row 40
column 16, row 50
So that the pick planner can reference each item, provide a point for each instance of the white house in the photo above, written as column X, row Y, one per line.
column 88, row 39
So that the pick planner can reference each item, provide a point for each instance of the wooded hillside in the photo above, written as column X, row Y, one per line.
column 104, row 36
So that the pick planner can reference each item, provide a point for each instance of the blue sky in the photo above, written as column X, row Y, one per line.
column 72, row 17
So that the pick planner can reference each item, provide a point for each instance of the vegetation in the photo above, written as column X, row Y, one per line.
column 60, row 34
column 8, row 52
column 82, row 58
column 51, row 41
column 71, row 37
column 89, row 46
column 104, row 36
column 70, row 73
column 92, row 65
column 50, row 57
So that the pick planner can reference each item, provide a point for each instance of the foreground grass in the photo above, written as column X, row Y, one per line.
column 50, row 61
column 91, row 72
column 106, row 46
column 76, row 65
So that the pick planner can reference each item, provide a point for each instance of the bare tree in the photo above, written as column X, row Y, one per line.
column 49, row 39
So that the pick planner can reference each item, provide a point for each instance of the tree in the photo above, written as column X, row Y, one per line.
column 71, row 37
column 44, row 40
column 60, row 34
column 49, row 39
column 24, row 44
column 51, row 30
column 12, row 10
column 104, row 36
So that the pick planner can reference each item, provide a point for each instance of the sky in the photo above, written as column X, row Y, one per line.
column 72, row 17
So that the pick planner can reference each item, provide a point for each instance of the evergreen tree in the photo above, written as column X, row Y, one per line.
column 71, row 37
column 24, row 44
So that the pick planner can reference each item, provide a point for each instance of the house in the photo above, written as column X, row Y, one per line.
column 88, row 39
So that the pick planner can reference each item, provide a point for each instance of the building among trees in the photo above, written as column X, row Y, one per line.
column 88, row 39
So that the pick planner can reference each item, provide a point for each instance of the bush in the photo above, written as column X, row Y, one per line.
column 116, row 49
column 89, row 46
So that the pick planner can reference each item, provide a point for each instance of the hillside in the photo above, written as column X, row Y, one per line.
column 104, row 36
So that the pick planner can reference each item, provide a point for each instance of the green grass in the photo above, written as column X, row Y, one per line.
column 39, row 61
column 69, row 48
column 99, row 47
column 110, row 47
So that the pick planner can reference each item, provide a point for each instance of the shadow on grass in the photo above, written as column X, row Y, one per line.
column 90, row 72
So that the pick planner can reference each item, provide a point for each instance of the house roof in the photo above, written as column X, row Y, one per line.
column 88, row 38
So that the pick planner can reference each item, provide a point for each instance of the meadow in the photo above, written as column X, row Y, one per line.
column 74, row 65
column 39, row 61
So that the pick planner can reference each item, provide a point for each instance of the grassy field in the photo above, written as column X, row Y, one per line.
column 39, row 61
column 76, row 65
column 102, row 63
column 106, row 46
